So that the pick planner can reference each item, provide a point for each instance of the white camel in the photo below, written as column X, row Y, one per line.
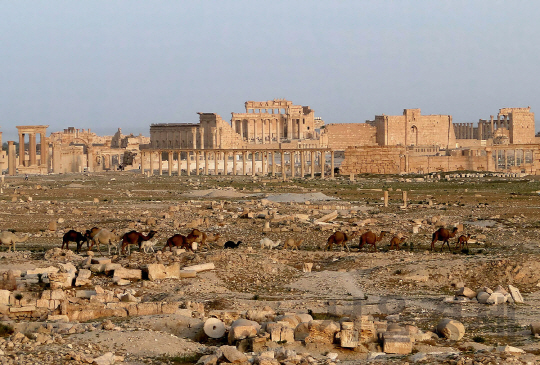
column 10, row 239
column 106, row 237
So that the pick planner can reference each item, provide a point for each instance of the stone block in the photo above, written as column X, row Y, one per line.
column 322, row 331
column 516, row 295
column 58, row 318
column 27, row 308
column 327, row 217
column 85, row 294
column 160, row 271
column 451, row 329
column 466, row 292
column 4, row 297
column 243, row 328
column 496, row 298
column 58, row 294
column 482, row 297
column 349, row 338
column 535, row 328
column 232, row 354
column 123, row 273
column 101, row 260
column 397, row 343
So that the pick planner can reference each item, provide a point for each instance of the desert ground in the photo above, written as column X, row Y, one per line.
column 409, row 290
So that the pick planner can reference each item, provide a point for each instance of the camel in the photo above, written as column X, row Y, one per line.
column 106, row 237
column 370, row 238
column 181, row 241
column 231, row 244
column 463, row 240
column 396, row 241
column 442, row 234
column 89, row 234
column 338, row 238
column 147, row 246
column 267, row 242
column 10, row 239
column 213, row 238
column 74, row 236
column 135, row 238
column 292, row 243
column 197, row 236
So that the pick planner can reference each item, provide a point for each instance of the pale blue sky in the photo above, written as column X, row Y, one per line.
column 109, row 64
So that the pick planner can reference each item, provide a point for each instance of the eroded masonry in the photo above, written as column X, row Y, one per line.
column 280, row 138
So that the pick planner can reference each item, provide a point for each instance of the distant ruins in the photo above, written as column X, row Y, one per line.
column 72, row 150
column 278, row 137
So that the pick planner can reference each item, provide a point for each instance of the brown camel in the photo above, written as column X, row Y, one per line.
column 370, row 238
column 178, row 240
column 338, row 238
column 135, row 238
column 463, row 241
column 196, row 236
column 74, row 236
column 396, row 241
column 442, row 234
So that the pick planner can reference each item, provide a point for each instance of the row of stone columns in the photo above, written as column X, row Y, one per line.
column 292, row 162
column 502, row 155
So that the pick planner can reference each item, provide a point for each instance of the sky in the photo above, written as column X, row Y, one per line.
column 105, row 65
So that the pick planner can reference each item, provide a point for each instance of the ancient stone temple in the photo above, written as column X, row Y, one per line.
column 29, row 163
column 268, row 123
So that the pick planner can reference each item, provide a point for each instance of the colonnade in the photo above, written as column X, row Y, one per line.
column 284, row 162
column 32, row 131
column 507, row 158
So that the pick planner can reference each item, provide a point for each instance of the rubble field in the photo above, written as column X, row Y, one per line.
column 476, row 304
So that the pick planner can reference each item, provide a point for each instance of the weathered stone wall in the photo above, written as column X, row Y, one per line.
column 521, row 125
column 375, row 160
column 412, row 129
column 341, row 136
column 395, row 160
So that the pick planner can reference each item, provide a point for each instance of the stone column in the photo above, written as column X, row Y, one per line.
column 253, row 164
column 197, row 155
column 332, row 174
column 489, row 160
column 205, row 163
column 12, row 159
column 214, row 139
column 262, row 132
column 194, row 137
column 188, row 163
column 289, row 129
column 404, row 198
column 234, row 163
column 160, row 161
column 255, row 131
column 244, row 163
column 44, row 149
column 312, row 164
column 277, row 131
column 270, row 130
column 302, row 163
column 21, row 149
column 151, row 163
column 169, row 163
column 242, row 130
column 322, row 162
column 142, row 161
column 89, row 158
column 273, row 163
column 505, row 160
column 216, row 164
column 57, row 158
column 263, row 162
column 385, row 198
column 291, row 162
column 283, row 169
column 201, row 137
column 225, row 163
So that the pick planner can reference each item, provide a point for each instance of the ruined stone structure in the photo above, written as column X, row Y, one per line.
column 72, row 150
column 414, row 129
column 3, row 156
column 512, row 126
column 273, row 123
column 29, row 163
column 244, row 161
column 399, row 160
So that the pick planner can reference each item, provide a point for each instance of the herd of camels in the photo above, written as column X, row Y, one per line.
column 97, row 236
